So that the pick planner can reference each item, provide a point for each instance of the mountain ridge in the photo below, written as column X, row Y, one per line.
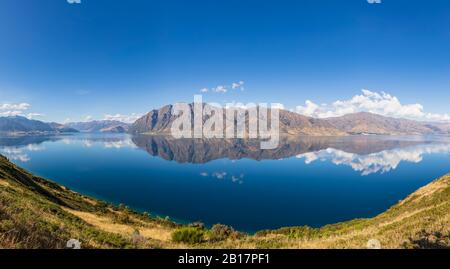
column 159, row 122
column 101, row 126
column 21, row 125
column 370, row 123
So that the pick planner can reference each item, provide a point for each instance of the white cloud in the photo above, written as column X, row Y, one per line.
column 21, row 106
column 220, row 89
column 375, row 102
column 31, row 116
column 74, row 1
column 238, row 85
column 11, row 110
column 10, row 113
column 225, row 88
column 124, row 118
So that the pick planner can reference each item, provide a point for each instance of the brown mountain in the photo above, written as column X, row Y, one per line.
column 160, row 121
column 100, row 126
column 157, row 121
column 368, row 123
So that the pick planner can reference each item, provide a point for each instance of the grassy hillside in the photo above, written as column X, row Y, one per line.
column 36, row 213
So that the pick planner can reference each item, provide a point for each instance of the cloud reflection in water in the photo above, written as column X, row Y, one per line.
column 380, row 162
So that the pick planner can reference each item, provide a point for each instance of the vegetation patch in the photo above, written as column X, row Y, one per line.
column 189, row 235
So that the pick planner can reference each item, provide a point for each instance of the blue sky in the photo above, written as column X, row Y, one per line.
column 104, row 57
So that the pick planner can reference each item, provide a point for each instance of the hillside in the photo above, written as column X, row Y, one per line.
column 36, row 213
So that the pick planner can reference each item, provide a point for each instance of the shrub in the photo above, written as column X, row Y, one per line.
column 221, row 232
column 190, row 235
column 428, row 240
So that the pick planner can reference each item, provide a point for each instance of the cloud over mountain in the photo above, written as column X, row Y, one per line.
column 131, row 118
column 225, row 88
column 19, row 109
column 374, row 102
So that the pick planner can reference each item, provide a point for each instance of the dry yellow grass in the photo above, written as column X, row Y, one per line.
column 107, row 224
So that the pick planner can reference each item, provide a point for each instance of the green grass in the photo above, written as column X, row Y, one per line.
column 189, row 235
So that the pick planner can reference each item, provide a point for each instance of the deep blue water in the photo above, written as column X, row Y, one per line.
column 312, row 181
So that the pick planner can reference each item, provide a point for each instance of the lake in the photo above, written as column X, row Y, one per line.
column 305, row 181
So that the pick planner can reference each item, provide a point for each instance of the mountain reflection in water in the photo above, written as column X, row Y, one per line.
column 365, row 154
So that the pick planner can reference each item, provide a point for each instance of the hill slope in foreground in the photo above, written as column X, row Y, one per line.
column 36, row 213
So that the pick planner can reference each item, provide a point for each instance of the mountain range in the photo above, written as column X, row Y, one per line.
column 99, row 126
column 368, row 123
column 22, row 125
column 18, row 125
column 159, row 122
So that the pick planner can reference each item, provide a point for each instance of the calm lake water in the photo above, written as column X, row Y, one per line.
column 307, row 181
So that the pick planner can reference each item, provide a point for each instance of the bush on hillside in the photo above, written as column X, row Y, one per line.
column 190, row 235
